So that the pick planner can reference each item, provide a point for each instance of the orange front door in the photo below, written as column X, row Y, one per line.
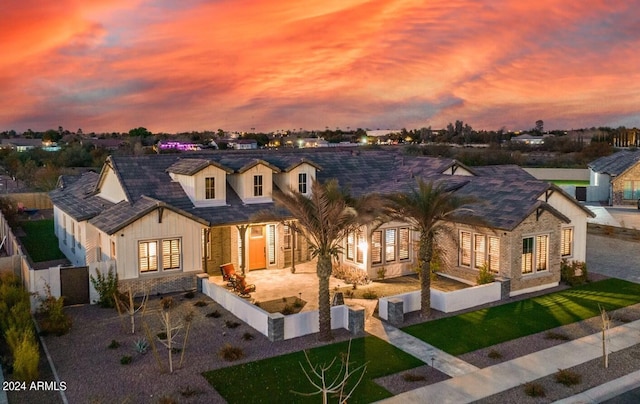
column 257, row 247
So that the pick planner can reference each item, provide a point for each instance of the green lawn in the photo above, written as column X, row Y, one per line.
column 483, row 328
column 40, row 241
column 273, row 379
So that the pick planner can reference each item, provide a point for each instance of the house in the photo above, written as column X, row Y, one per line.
column 243, row 144
column 530, row 139
column 21, row 144
column 162, row 219
column 615, row 179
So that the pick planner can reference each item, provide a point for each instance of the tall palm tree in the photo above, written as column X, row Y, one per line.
column 324, row 219
column 425, row 207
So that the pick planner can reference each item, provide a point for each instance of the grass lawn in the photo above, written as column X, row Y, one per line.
column 40, row 240
column 483, row 328
column 273, row 379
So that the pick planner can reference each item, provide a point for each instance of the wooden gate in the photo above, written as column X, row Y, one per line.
column 74, row 285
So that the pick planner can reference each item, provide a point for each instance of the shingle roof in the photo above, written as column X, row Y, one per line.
column 616, row 163
column 508, row 193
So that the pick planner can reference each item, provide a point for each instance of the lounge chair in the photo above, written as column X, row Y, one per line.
column 242, row 288
column 228, row 274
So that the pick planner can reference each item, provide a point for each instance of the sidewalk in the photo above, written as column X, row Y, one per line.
column 475, row 385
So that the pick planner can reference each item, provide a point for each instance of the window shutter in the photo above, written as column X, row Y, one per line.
column 403, row 241
column 376, row 247
column 465, row 246
column 390, row 245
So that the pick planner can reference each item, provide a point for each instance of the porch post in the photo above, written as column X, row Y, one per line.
column 243, row 230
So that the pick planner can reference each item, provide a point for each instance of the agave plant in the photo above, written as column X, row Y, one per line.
column 141, row 345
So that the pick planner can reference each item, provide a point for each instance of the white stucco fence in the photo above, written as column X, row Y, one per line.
column 295, row 325
column 446, row 302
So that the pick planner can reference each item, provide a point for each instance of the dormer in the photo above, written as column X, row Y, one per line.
column 254, row 182
column 109, row 186
column 204, row 181
column 457, row 168
column 298, row 177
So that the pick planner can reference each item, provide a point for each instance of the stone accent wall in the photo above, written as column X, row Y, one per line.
column 549, row 224
column 633, row 174
column 155, row 285
column 220, row 249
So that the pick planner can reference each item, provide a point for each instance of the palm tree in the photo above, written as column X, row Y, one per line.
column 425, row 208
column 324, row 219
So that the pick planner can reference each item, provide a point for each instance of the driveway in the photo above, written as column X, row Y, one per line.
column 613, row 257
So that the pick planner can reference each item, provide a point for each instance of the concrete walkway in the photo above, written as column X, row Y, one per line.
column 494, row 379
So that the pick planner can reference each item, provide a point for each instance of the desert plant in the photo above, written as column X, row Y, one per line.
column 351, row 275
column 141, row 346
column 54, row 320
column 286, row 310
column 188, row 318
column 200, row 303
column 216, row 313
column 188, row 391
column 556, row 335
column 494, row 354
column 382, row 272
column 533, row 389
column 106, row 286
column 114, row 344
column 247, row 336
column 126, row 359
column 171, row 331
column 336, row 384
column 606, row 324
column 128, row 306
column 298, row 303
column 26, row 358
column 190, row 294
column 567, row 377
column 231, row 353
column 484, row 275
column 412, row 377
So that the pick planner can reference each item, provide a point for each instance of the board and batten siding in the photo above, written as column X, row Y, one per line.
column 578, row 219
column 148, row 228
column 243, row 184
column 289, row 180
column 110, row 188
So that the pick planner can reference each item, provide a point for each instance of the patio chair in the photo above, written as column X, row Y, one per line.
column 242, row 288
column 228, row 274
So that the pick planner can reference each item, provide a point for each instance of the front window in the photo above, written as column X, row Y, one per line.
column 631, row 190
column 535, row 254
column 257, row 185
column 150, row 259
column 478, row 250
column 302, row 183
column 287, row 237
column 390, row 245
column 566, row 243
column 210, row 188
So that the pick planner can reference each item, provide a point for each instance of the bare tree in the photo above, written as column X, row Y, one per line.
column 130, row 307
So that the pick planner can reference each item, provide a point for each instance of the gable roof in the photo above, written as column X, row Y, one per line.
column 616, row 163
column 506, row 195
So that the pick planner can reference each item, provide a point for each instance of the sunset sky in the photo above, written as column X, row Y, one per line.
column 173, row 66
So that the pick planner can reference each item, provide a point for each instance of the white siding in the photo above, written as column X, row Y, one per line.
column 578, row 221
column 289, row 180
column 243, row 184
column 72, row 245
column 148, row 228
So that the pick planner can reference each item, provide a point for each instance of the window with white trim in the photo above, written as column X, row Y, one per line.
column 566, row 241
column 302, row 183
column 390, row 245
column 210, row 188
column 535, row 254
column 355, row 247
column 477, row 250
column 257, row 185
column 150, row 259
column 206, row 243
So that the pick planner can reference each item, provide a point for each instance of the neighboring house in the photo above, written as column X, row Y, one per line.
column 164, row 218
column 21, row 144
column 530, row 139
column 243, row 144
column 615, row 179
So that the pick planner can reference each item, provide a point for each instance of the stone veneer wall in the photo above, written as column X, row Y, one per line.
column 155, row 285
column 618, row 185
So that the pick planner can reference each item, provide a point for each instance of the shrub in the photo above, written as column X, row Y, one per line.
column 568, row 377
column 190, row 294
column 371, row 295
column 349, row 274
column 200, row 303
column 106, row 286
column 54, row 320
column 412, row 377
column 298, row 303
column 114, row 344
column 286, row 310
column 141, row 346
column 494, row 354
column 231, row 353
column 26, row 358
column 382, row 272
column 188, row 391
column 484, row 275
column 247, row 336
column 573, row 272
column 125, row 360
column 231, row 324
column 533, row 389
column 556, row 335
column 214, row 314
